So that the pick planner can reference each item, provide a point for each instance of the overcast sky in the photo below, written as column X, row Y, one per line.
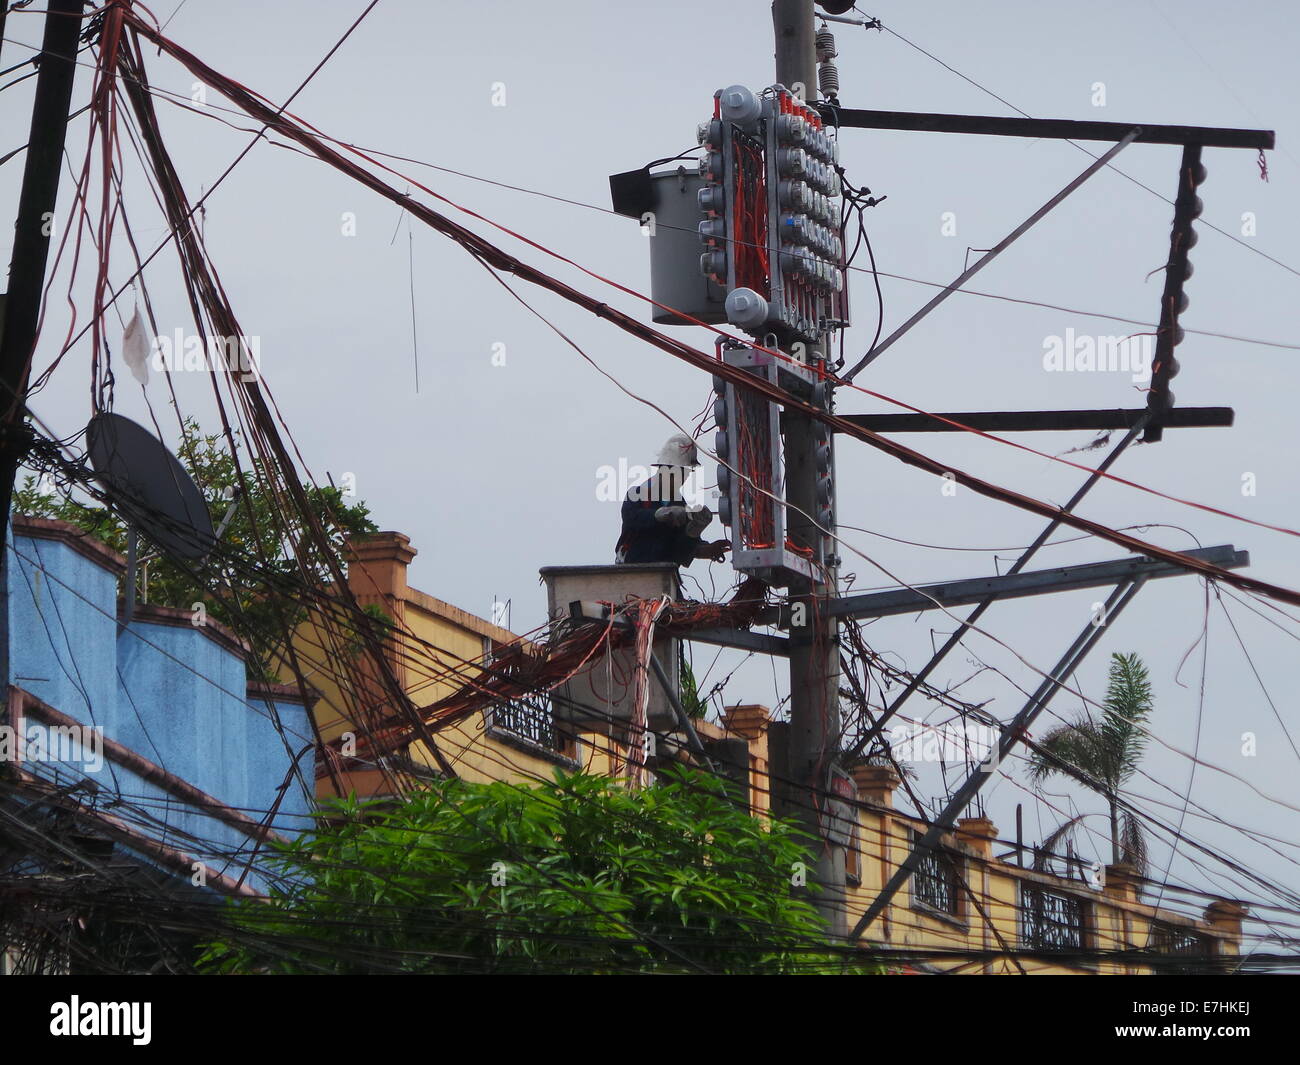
column 493, row 470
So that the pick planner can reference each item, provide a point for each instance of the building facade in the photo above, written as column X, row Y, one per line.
column 968, row 908
column 135, row 755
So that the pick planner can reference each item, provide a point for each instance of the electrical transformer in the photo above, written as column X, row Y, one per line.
column 771, row 217
column 754, row 240
column 751, row 481
column 771, row 238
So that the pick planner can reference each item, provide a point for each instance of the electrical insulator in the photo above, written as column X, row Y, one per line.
column 713, row 264
column 720, row 412
column 724, row 479
column 825, row 44
column 828, row 80
column 1182, row 238
column 712, row 199
column 739, row 106
column 713, row 229
column 746, row 308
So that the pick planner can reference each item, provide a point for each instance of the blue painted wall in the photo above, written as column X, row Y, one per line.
column 175, row 694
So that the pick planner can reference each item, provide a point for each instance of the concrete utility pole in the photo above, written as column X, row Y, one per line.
column 33, row 234
column 814, row 731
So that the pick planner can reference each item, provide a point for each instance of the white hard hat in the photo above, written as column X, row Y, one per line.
column 678, row 450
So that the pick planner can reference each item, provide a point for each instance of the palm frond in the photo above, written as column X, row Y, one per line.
column 1079, row 744
column 1133, row 843
column 1043, row 852
column 1126, row 708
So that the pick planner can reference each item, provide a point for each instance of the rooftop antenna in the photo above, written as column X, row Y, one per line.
column 151, row 492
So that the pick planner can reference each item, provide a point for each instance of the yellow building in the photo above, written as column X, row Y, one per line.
column 965, row 910
column 442, row 648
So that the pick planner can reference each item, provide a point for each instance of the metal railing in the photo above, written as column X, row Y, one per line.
column 1052, row 920
column 531, row 719
column 935, row 882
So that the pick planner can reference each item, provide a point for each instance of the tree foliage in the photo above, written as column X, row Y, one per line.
column 689, row 691
column 256, row 603
column 1105, row 753
column 575, row 875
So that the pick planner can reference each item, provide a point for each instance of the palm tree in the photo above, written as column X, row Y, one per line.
column 1105, row 753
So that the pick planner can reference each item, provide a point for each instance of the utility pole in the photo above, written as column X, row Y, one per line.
column 33, row 233
column 814, row 730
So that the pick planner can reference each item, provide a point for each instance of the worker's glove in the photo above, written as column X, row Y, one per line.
column 674, row 516
column 715, row 551
column 697, row 519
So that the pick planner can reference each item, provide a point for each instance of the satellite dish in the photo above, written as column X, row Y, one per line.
column 149, row 487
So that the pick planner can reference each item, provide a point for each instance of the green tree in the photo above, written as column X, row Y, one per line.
column 695, row 707
column 1105, row 752
column 260, row 604
column 575, row 875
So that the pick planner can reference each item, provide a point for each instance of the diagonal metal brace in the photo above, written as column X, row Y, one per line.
column 983, row 261
column 1012, row 733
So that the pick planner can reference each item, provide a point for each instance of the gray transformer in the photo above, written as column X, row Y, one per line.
column 674, row 233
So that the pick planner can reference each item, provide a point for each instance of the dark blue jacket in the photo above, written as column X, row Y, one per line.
column 644, row 539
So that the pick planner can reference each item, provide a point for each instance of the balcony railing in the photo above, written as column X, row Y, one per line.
column 1192, row 950
column 531, row 719
column 935, row 882
column 1052, row 920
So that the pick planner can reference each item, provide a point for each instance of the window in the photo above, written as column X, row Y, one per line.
column 529, row 720
column 1052, row 920
column 936, row 883
column 853, row 855
column 1177, row 941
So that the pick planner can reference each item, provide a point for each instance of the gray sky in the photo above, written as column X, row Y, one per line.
column 492, row 470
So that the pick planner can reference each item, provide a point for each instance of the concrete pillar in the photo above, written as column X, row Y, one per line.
column 1122, row 882
column 977, row 833
column 876, row 783
column 748, row 720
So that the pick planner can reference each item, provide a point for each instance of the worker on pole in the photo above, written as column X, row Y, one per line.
column 658, row 524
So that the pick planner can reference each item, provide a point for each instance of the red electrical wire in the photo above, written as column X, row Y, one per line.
column 318, row 148
column 502, row 260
